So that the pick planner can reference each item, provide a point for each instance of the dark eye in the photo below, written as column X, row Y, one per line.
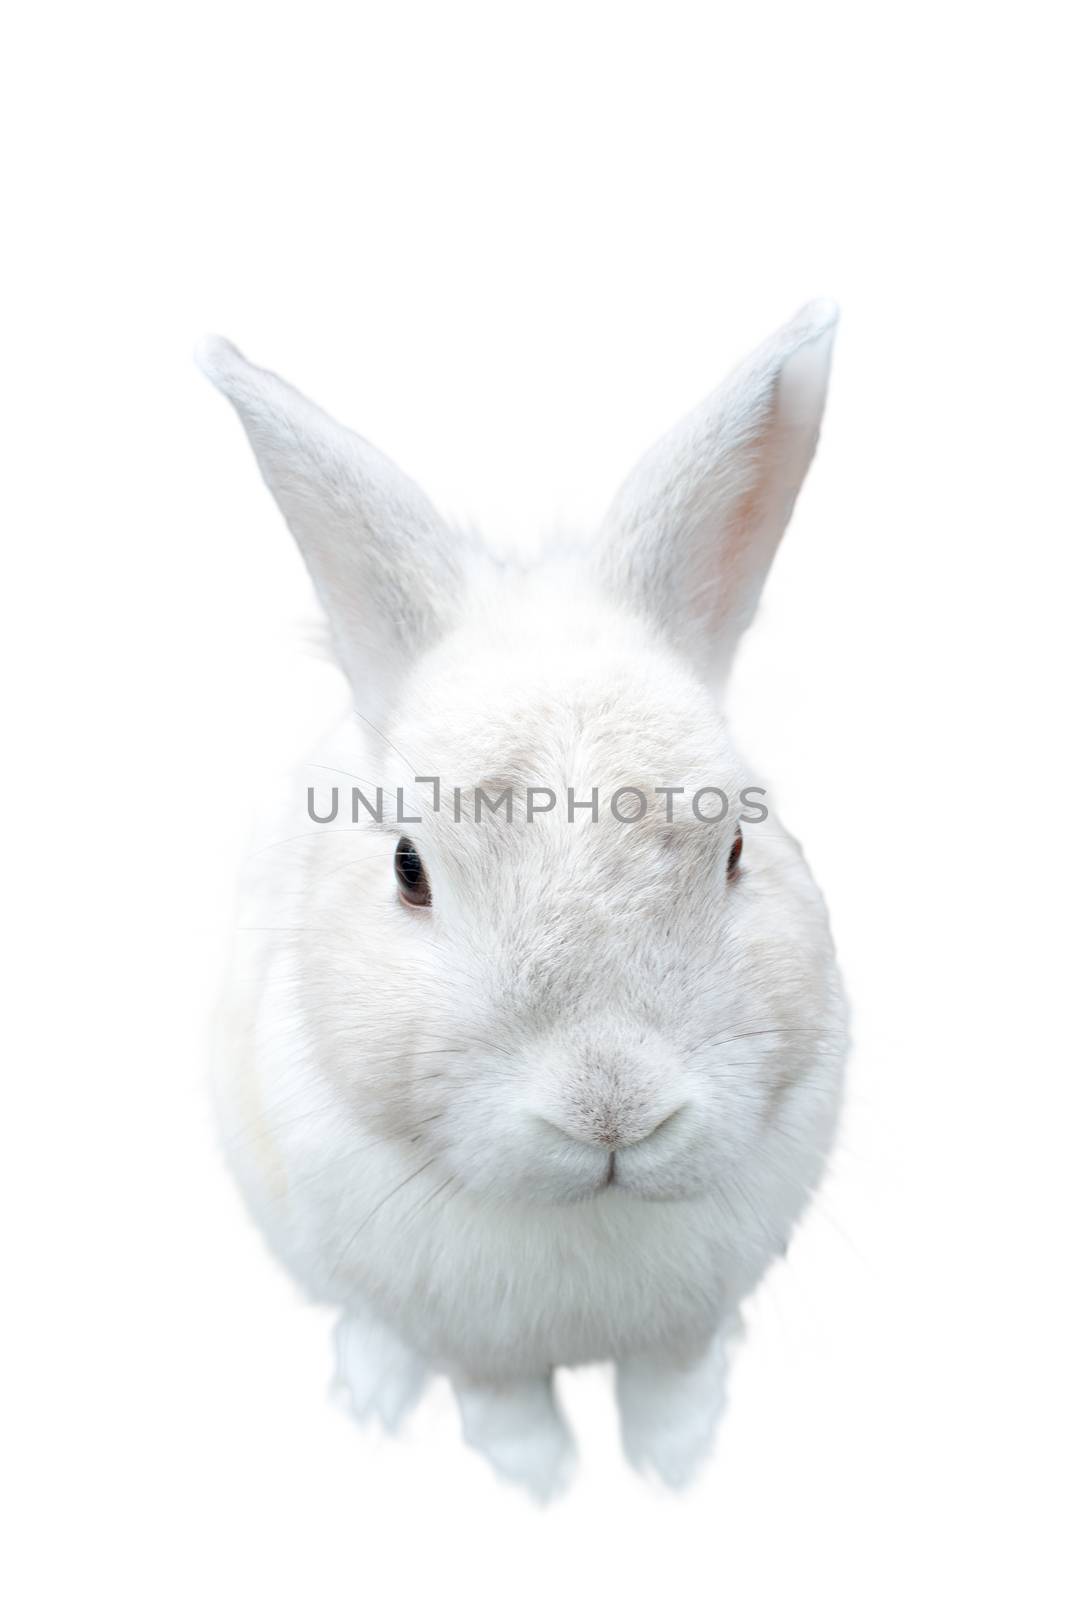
column 411, row 877
column 734, row 860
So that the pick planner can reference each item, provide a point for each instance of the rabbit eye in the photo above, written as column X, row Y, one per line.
column 734, row 859
column 411, row 877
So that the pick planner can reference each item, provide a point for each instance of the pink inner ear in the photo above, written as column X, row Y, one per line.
column 738, row 559
column 693, row 531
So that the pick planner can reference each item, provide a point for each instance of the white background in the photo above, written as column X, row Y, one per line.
column 511, row 244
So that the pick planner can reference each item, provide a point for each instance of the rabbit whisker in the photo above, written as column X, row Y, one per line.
column 373, row 1212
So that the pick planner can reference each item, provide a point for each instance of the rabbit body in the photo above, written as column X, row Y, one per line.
column 570, row 1109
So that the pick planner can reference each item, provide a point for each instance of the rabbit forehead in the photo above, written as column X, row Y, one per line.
column 553, row 902
column 566, row 694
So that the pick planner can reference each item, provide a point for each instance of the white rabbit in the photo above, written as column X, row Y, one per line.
column 528, row 1093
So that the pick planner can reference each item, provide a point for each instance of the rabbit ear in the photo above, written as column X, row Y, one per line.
column 385, row 565
column 693, row 530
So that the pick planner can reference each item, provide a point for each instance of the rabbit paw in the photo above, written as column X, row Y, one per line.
column 670, row 1413
column 380, row 1377
column 518, row 1428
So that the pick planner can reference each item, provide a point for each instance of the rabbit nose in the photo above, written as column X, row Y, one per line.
column 611, row 1132
column 615, row 1138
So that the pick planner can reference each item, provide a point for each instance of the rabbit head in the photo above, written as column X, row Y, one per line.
column 575, row 955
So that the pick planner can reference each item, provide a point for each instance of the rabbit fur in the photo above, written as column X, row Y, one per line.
column 570, row 1111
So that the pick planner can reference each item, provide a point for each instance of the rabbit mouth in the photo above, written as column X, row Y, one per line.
column 661, row 1185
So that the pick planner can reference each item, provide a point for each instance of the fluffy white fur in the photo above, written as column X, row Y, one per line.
column 423, row 1106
